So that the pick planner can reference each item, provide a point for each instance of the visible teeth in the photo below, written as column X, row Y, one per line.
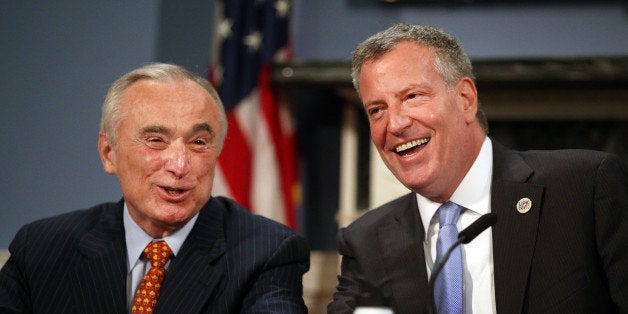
column 173, row 192
column 412, row 144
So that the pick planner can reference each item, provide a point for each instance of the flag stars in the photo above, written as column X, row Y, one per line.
column 253, row 41
column 283, row 8
column 224, row 28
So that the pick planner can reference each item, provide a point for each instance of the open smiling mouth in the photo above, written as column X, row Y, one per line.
column 408, row 148
column 174, row 191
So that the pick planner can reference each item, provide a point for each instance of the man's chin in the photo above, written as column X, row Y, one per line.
column 173, row 214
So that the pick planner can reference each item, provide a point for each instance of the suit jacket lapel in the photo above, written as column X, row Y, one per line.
column 401, row 244
column 99, row 283
column 514, row 235
column 194, row 273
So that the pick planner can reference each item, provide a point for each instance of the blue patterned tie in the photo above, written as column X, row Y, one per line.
column 448, row 284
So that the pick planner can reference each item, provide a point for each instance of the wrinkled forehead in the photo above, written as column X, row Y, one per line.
column 152, row 99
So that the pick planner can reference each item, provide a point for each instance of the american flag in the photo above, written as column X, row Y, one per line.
column 257, row 166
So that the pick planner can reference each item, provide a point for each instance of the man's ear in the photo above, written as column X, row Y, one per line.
column 468, row 95
column 105, row 150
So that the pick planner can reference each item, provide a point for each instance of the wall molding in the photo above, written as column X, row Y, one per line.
column 530, row 72
column 586, row 88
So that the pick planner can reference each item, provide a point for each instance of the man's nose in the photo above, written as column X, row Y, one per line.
column 398, row 119
column 178, row 159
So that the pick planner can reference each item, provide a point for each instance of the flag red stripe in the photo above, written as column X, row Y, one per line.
column 283, row 145
column 235, row 162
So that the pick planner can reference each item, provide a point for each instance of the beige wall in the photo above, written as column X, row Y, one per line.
column 4, row 255
column 319, row 283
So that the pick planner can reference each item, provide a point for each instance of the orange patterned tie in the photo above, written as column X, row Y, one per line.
column 158, row 253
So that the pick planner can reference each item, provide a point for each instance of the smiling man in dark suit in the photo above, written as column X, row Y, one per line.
column 560, row 242
column 161, row 133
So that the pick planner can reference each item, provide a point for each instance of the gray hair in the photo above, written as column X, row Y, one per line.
column 450, row 60
column 161, row 72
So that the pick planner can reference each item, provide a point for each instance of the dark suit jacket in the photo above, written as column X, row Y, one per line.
column 568, row 254
column 231, row 262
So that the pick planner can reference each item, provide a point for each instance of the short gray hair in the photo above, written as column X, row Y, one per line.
column 160, row 72
column 450, row 60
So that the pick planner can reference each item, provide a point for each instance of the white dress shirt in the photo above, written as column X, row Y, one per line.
column 136, row 241
column 474, row 194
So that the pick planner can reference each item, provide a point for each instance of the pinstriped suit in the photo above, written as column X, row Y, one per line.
column 569, row 254
column 231, row 262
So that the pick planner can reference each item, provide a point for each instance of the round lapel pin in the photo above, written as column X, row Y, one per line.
column 524, row 205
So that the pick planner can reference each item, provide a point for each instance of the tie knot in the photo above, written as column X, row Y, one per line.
column 158, row 253
column 448, row 213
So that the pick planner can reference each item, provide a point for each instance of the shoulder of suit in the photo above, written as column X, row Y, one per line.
column 90, row 214
column 63, row 227
column 567, row 157
column 384, row 213
column 234, row 212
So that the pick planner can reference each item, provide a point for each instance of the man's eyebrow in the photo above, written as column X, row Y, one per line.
column 400, row 93
column 202, row 127
column 155, row 129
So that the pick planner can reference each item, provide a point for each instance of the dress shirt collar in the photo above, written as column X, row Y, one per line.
column 137, row 239
column 473, row 192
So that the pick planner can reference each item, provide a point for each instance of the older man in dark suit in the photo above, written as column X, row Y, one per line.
column 559, row 245
column 168, row 246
